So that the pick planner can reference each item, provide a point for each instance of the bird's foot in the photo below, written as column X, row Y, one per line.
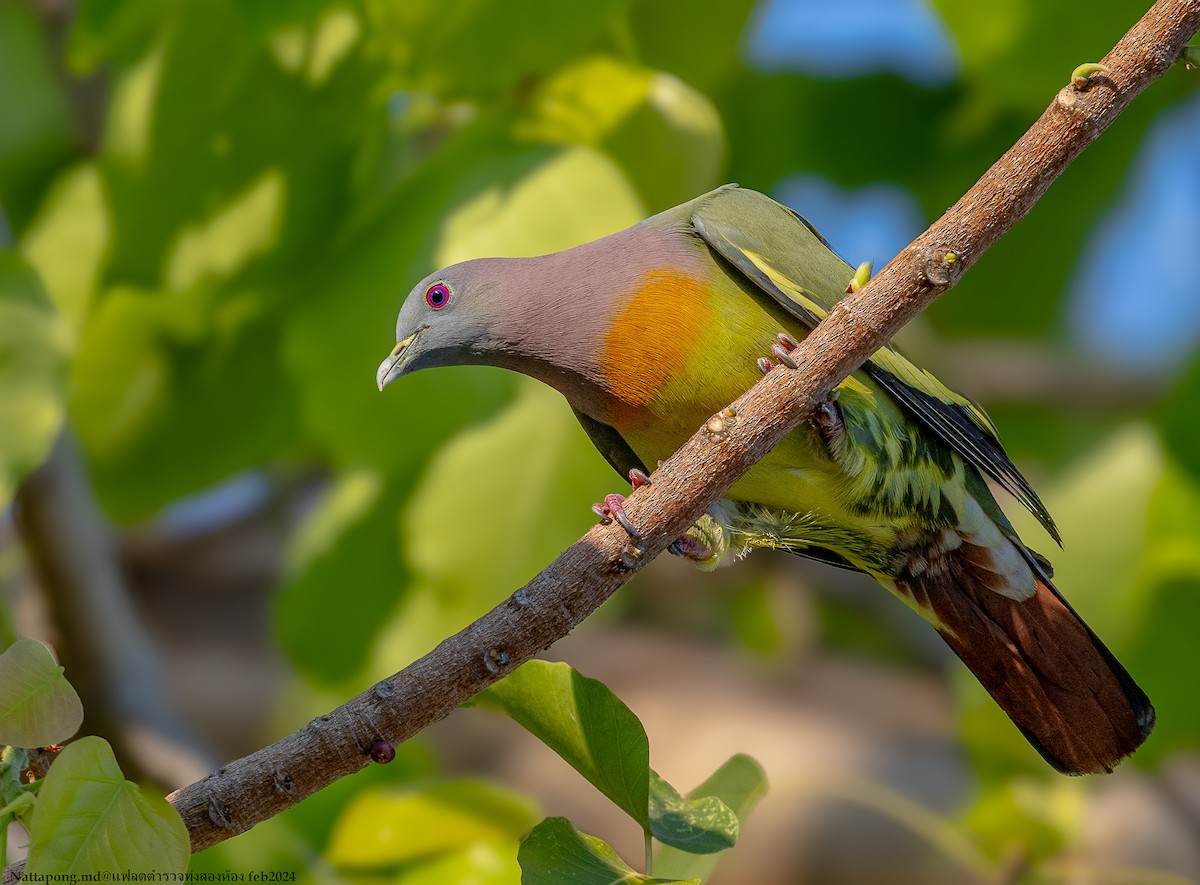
column 827, row 419
column 691, row 547
column 612, row 508
column 782, row 351
column 705, row 544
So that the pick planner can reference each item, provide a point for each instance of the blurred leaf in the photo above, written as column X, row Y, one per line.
column 484, row 49
column 520, row 517
column 483, row 863
column 1031, row 819
column 113, row 29
column 1163, row 648
column 33, row 349
column 1037, row 39
column 385, row 827
column 156, row 379
column 344, row 574
column 556, row 853
column 1179, row 422
column 38, row 707
column 666, row 136
column 190, row 159
column 698, row 825
column 89, row 818
column 585, row 724
column 273, row 844
column 1163, row 612
column 740, row 783
column 671, row 41
column 36, row 130
column 1103, row 545
column 534, row 202
column 71, row 220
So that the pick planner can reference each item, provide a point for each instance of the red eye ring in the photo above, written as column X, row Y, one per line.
column 437, row 296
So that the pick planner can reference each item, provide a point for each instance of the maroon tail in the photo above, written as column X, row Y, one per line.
column 1041, row 663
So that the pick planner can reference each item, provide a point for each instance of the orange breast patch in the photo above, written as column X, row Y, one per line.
column 652, row 337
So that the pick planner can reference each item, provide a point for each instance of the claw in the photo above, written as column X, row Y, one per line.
column 638, row 478
column 689, row 548
column 828, row 421
column 781, row 353
column 613, row 509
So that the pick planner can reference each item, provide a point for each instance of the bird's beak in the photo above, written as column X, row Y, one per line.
column 393, row 367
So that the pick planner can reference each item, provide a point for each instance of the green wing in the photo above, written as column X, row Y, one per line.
column 788, row 259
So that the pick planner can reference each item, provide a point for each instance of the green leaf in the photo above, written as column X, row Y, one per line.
column 584, row 723
column 73, row 219
column 1033, row 818
column 33, row 350
column 555, row 853
column 1179, row 424
column 739, row 784
column 38, row 707
column 483, row 863
column 495, row 46
column 386, row 827
column 36, row 129
column 551, row 472
column 664, row 134
column 703, row 825
column 90, row 819
column 344, row 575
column 156, row 377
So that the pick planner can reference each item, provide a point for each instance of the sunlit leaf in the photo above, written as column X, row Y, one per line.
column 1036, row 818
column 33, row 349
column 90, row 819
column 38, row 707
column 516, row 519
column 484, row 863
column 556, row 853
column 385, row 827
column 585, row 724
column 72, row 220
column 666, row 135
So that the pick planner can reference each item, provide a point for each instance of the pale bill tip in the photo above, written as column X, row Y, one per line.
column 393, row 366
column 388, row 371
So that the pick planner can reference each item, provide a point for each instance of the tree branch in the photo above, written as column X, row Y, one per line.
column 258, row 786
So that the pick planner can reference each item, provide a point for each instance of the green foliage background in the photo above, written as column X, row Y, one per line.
column 214, row 209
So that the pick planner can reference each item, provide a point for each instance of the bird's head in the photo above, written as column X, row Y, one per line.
column 445, row 320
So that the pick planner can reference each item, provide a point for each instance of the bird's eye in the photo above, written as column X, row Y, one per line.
column 438, row 296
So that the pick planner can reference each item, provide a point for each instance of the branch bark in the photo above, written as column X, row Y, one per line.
column 256, row 787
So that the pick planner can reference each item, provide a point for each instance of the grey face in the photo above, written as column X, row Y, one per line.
column 438, row 325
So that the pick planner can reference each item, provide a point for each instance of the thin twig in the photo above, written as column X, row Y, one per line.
column 252, row 789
